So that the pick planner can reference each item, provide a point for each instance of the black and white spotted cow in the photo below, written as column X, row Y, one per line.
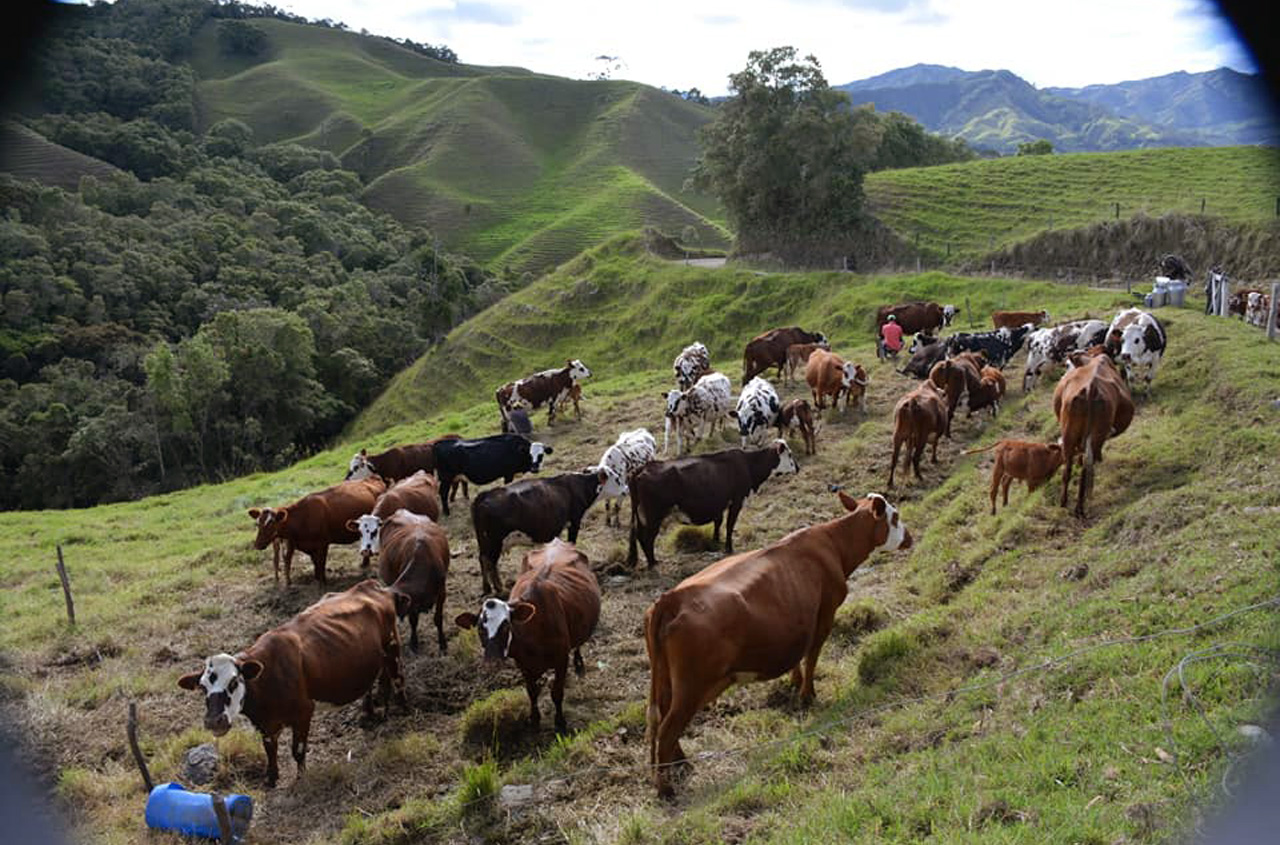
column 631, row 451
column 1046, row 347
column 998, row 346
column 706, row 403
column 949, row 313
column 1136, row 339
column 693, row 362
column 757, row 411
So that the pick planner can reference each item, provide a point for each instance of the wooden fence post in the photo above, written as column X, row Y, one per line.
column 131, row 730
column 1271, row 312
column 66, row 587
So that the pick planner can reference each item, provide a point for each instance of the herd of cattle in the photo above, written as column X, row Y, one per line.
column 750, row 616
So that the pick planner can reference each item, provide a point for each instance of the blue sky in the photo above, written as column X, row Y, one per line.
column 698, row 43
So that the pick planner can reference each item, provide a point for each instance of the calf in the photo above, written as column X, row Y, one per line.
column 798, row 355
column 920, row 415
column 1092, row 403
column 706, row 403
column 539, row 508
column 419, row 493
column 702, row 488
column 487, row 459
column 1258, row 309
column 551, row 611
column 313, row 522
column 1136, row 339
column 1238, row 303
column 333, row 652
column 1046, row 347
column 693, row 362
column 1023, row 460
column 988, row 392
column 1013, row 319
column 770, row 349
column 830, row 375
column 415, row 562
column 912, row 316
column 549, row 387
column 998, row 346
column 798, row 414
column 757, row 411
column 956, row 377
column 754, row 617
column 622, row 460
column 401, row 462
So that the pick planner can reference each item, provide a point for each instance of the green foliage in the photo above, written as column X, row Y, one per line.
column 1035, row 148
column 241, row 38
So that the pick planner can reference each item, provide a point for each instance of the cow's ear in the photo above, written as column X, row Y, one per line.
column 352, row 526
column 879, row 506
column 403, row 602
column 850, row 503
column 250, row 669
column 522, row 611
column 254, row 513
column 466, row 620
column 733, row 414
column 190, row 681
column 364, row 453
column 602, row 476
column 282, row 516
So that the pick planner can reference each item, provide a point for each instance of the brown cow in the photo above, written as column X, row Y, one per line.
column 956, row 377
column 1013, row 319
column 1024, row 460
column 313, row 522
column 798, row 414
column 419, row 493
column 913, row 317
column 552, row 610
column 415, row 562
column 549, row 387
column 333, row 652
column 798, row 355
column 754, row 617
column 770, row 349
column 1092, row 403
column 401, row 462
column 919, row 415
column 830, row 375
column 988, row 392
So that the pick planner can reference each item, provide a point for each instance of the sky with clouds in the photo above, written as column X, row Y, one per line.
column 698, row 43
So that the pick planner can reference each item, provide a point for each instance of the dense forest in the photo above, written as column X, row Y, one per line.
column 217, row 308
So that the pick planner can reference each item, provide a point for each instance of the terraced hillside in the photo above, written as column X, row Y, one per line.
column 937, row 713
column 29, row 155
column 508, row 166
column 961, row 211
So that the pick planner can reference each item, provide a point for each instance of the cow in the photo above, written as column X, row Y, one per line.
column 920, row 340
column 949, row 313
column 1136, row 339
column 419, row 493
column 310, row 524
column 1046, row 347
column 754, row 617
column 401, row 462
column 702, row 487
column 415, row 563
column 912, row 316
column 1092, row 404
column 988, row 392
column 798, row 355
column 486, row 459
column 551, row 611
column 1238, row 303
column 538, row 508
column 549, row 387
column 575, row 396
column 919, row 416
column 757, row 411
column 332, row 652
column 1013, row 319
column 631, row 451
column 770, row 349
column 798, row 414
column 957, row 377
column 827, row 374
column 693, row 362
column 1258, row 309
column 1023, row 460
column 998, row 346
column 925, row 353
column 706, row 403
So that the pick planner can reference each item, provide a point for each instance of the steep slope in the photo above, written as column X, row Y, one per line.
column 29, row 155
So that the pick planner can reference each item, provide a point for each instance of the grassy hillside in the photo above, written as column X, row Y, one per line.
column 510, row 167
column 1181, row 530
column 29, row 155
column 981, row 206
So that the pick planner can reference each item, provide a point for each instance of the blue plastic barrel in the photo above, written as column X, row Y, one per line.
column 172, row 807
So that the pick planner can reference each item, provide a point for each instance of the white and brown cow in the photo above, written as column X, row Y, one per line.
column 706, row 403
column 693, row 362
column 1051, row 346
column 757, row 411
column 622, row 460
column 549, row 387
column 1257, row 309
column 1136, row 339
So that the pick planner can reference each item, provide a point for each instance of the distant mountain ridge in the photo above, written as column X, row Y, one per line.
column 997, row 109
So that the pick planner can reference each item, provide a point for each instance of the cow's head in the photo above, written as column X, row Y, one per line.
column 369, row 527
column 920, row 341
column 849, row 375
column 360, row 467
column 270, row 521
column 223, row 682
column 495, row 623
column 1133, row 342
column 674, row 399
column 786, row 461
column 949, row 313
column 578, row 370
column 537, row 451
column 889, row 532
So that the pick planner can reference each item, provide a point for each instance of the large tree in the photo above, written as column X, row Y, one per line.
column 785, row 155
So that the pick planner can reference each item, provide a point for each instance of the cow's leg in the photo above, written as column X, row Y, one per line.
column 579, row 667
column 936, row 438
column 288, row 562
column 646, row 542
column 439, row 619
column 275, row 558
column 533, row 686
column 893, row 464
column 557, row 693
column 1086, row 476
column 446, row 485
column 318, row 561
column 413, row 628
column 301, row 730
column 270, row 744
column 734, row 509
column 393, row 671
column 677, row 717
column 1008, row 481
column 807, row 693
column 715, row 528
column 1068, row 457
column 632, row 555
column 573, row 531
column 996, row 473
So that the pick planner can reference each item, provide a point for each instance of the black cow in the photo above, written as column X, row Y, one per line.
column 538, row 508
column 487, row 459
column 702, row 487
column 997, row 346
column 925, row 352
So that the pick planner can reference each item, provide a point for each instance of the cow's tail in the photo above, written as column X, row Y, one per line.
column 656, row 619
column 983, row 449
